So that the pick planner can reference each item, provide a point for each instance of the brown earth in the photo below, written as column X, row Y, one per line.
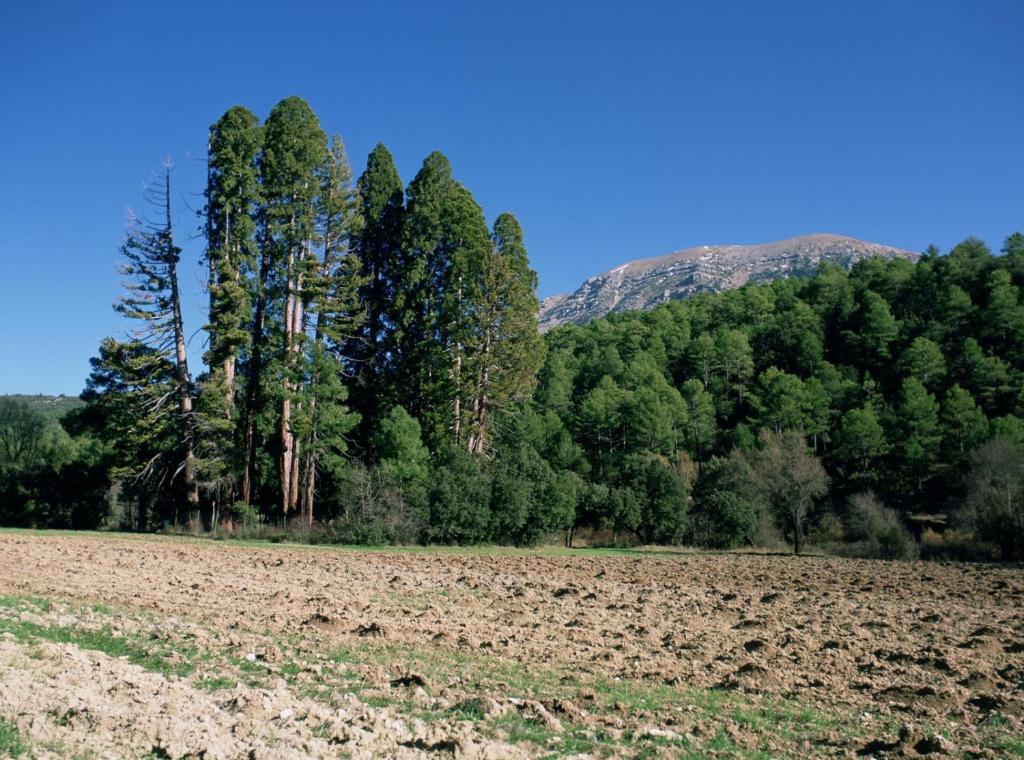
column 329, row 652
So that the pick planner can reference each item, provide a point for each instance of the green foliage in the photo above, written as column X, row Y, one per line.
column 378, row 246
column 374, row 360
column 785, row 480
column 924, row 361
column 402, row 455
column 232, row 196
column 47, row 479
column 11, row 742
column 460, row 497
column 22, row 436
column 528, row 499
column 662, row 500
column 701, row 425
column 888, row 372
column 724, row 516
column 125, row 396
column 861, row 443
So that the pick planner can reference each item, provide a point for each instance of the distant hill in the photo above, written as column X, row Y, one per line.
column 646, row 283
column 54, row 407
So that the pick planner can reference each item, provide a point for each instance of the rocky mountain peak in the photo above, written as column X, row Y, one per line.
column 645, row 283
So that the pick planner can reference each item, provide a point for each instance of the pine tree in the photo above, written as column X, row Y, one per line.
column 877, row 328
column 918, row 423
column 736, row 360
column 923, row 359
column 701, row 425
column 461, row 262
column 125, row 398
column 861, row 443
column 966, row 425
column 781, row 401
column 154, row 298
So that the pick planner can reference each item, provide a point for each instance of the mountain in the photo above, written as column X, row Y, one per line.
column 51, row 407
column 646, row 283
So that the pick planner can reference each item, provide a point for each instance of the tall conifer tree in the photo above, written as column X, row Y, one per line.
column 232, row 194
column 337, row 316
column 417, row 358
column 154, row 298
column 294, row 147
column 379, row 247
column 507, row 346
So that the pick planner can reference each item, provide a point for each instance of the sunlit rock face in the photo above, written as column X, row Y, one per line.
column 645, row 283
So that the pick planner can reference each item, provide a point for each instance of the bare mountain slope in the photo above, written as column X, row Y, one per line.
column 646, row 283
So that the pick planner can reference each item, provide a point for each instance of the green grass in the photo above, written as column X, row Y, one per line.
column 10, row 602
column 216, row 683
column 11, row 743
column 763, row 717
column 516, row 729
column 994, row 733
column 97, row 640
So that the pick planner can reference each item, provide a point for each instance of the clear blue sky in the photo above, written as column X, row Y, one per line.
column 612, row 130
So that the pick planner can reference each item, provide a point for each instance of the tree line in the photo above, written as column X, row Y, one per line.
column 373, row 367
column 338, row 309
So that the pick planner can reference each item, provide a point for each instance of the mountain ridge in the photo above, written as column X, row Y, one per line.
column 646, row 282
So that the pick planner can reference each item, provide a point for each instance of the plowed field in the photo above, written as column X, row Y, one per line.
column 128, row 647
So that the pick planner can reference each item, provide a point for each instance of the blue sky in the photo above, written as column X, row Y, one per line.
column 613, row 131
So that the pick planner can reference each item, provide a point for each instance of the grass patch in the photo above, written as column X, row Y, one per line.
column 995, row 733
column 216, row 683
column 11, row 742
column 97, row 640
column 517, row 729
column 764, row 717
column 11, row 602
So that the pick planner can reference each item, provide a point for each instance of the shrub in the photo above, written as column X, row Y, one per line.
column 994, row 507
column 828, row 530
column 954, row 545
column 725, row 520
column 374, row 510
column 875, row 531
column 460, row 495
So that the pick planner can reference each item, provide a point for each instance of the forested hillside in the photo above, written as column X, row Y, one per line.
column 901, row 380
column 373, row 372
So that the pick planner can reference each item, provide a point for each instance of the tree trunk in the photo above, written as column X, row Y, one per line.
column 255, row 369
column 232, row 358
column 457, row 406
column 457, row 377
column 284, row 430
column 309, row 487
column 181, row 366
column 478, row 442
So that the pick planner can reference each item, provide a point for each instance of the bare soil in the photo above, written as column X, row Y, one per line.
column 125, row 646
